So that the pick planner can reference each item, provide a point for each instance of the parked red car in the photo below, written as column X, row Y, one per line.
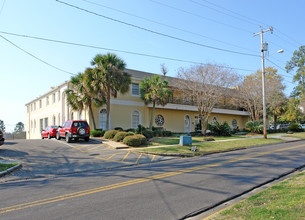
column 49, row 132
column 74, row 129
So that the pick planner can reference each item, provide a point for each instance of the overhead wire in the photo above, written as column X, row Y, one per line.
column 255, row 20
column 156, row 32
column 37, row 58
column 200, row 16
column 200, row 4
column 165, row 25
column 111, row 49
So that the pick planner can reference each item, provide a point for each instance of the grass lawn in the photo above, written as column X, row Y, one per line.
column 297, row 135
column 175, row 140
column 210, row 147
column 285, row 200
column 6, row 166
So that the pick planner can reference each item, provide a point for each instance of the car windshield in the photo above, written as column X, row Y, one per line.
column 80, row 124
column 54, row 126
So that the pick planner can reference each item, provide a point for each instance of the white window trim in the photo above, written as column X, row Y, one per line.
column 140, row 117
column 137, row 95
column 99, row 118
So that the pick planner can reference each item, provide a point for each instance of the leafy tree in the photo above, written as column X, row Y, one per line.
column 298, row 62
column 206, row 85
column 292, row 111
column 19, row 128
column 155, row 91
column 107, row 78
column 80, row 95
column 251, row 92
column 2, row 126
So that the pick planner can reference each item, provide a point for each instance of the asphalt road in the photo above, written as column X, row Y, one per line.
column 43, row 158
column 169, row 189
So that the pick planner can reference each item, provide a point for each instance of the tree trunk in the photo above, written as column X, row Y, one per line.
column 275, row 120
column 108, row 108
column 94, row 126
column 152, row 116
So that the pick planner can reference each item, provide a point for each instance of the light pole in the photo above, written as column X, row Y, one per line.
column 264, row 47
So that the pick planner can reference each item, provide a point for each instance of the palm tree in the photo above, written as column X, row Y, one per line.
column 108, row 78
column 79, row 95
column 155, row 91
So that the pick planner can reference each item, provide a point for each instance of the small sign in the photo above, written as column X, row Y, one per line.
column 194, row 148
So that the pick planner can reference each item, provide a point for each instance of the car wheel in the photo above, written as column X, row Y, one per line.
column 49, row 137
column 87, row 139
column 57, row 136
column 76, row 139
column 68, row 139
column 42, row 136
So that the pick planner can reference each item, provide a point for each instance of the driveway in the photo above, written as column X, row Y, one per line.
column 43, row 158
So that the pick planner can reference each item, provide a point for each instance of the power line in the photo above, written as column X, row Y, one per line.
column 200, row 16
column 36, row 57
column 2, row 7
column 110, row 49
column 157, row 33
column 256, row 21
column 165, row 25
column 197, row 3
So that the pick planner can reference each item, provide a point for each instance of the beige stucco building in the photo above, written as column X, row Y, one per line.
column 126, row 111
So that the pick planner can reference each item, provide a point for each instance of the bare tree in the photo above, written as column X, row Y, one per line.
column 251, row 92
column 206, row 86
column 164, row 69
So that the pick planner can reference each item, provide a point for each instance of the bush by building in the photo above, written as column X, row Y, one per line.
column 95, row 133
column 119, row 137
column 110, row 134
column 221, row 129
column 133, row 141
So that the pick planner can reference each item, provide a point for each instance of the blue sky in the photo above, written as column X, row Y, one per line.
column 222, row 24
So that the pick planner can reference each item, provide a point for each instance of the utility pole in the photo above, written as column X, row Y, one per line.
column 264, row 47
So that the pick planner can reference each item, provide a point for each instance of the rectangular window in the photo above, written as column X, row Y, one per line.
column 46, row 122
column 40, row 103
column 41, row 125
column 31, row 107
column 135, row 89
column 47, row 100
column 58, row 95
column 27, row 109
column 35, row 106
column 53, row 98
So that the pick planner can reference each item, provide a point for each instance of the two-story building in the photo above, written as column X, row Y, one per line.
column 126, row 111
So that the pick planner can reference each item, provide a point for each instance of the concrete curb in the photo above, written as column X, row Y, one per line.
column 5, row 172
column 110, row 144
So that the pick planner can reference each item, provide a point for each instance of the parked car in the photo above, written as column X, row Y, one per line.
column 283, row 126
column 73, row 129
column 1, row 137
column 49, row 132
column 302, row 126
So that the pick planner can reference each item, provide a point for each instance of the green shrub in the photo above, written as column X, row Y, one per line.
column 294, row 127
column 118, row 129
column 130, row 130
column 134, row 140
column 148, row 134
column 167, row 133
column 221, row 129
column 140, row 129
column 142, row 138
column 158, row 133
column 110, row 134
column 255, row 126
column 120, row 136
column 97, row 133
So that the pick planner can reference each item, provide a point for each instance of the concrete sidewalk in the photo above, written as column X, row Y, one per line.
column 114, row 144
